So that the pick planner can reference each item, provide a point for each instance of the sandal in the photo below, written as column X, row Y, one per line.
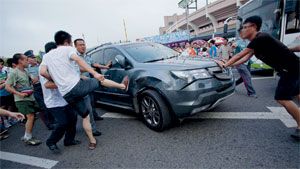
column 4, row 136
column 92, row 146
column 5, row 131
column 32, row 142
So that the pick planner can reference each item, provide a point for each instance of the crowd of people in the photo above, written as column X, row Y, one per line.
column 59, row 88
column 210, row 49
column 43, row 89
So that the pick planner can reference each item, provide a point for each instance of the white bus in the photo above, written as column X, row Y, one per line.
column 280, row 18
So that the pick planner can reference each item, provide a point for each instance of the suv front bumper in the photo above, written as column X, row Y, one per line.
column 199, row 96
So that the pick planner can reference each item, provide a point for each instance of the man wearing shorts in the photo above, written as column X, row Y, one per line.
column 60, row 68
column 274, row 53
column 18, row 83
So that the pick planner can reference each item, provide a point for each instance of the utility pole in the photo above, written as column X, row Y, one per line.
column 125, row 30
column 187, row 21
column 186, row 4
column 83, row 37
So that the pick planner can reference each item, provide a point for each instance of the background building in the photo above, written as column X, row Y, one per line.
column 202, row 23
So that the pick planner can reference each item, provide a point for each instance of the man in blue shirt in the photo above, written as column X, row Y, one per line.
column 244, row 69
column 81, row 51
column 213, row 50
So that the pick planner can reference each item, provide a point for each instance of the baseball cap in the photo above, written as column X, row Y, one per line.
column 29, row 53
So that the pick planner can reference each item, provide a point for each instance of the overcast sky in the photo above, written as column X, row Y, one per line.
column 29, row 24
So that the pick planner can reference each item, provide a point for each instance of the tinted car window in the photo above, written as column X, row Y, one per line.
column 146, row 52
column 110, row 55
column 98, row 57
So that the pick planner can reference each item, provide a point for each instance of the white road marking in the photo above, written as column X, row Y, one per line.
column 284, row 116
column 277, row 113
column 261, row 78
column 234, row 115
column 117, row 116
column 29, row 160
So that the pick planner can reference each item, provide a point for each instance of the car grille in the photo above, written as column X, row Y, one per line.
column 217, row 72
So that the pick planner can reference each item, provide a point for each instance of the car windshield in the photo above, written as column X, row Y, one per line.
column 149, row 52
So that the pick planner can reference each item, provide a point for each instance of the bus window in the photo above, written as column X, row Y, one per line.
column 292, row 11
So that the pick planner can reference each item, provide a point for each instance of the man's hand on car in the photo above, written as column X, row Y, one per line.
column 220, row 63
column 109, row 64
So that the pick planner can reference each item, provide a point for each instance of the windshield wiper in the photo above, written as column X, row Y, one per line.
column 155, row 60
column 172, row 57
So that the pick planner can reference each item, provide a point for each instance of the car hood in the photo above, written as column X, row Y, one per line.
column 182, row 63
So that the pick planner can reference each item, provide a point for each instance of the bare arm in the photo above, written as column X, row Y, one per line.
column 100, row 66
column 243, row 60
column 50, row 85
column 11, row 114
column 2, row 85
column 44, row 72
column 10, row 89
column 295, row 49
column 239, row 56
column 86, row 67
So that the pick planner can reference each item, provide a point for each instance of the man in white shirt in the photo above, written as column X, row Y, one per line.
column 65, row 117
column 61, row 69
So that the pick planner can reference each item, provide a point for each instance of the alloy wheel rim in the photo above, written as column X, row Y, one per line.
column 150, row 111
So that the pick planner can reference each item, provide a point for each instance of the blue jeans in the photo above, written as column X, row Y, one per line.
column 246, row 76
column 90, row 110
column 45, row 115
column 66, row 120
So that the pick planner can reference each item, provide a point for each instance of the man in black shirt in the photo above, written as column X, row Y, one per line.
column 274, row 53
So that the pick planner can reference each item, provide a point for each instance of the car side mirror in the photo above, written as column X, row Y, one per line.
column 121, row 60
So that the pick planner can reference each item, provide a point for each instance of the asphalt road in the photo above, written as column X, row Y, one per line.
column 195, row 143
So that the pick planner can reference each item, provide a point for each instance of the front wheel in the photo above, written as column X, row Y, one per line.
column 154, row 111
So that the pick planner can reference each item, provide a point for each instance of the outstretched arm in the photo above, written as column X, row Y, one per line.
column 243, row 60
column 245, row 53
column 15, row 115
column 86, row 67
column 295, row 49
column 239, row 56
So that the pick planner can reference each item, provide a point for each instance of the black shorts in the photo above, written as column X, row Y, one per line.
column 78, row 97
column 288, row 87
column 7, row 101
column 80, row 106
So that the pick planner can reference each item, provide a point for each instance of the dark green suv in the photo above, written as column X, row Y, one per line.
column 163, row 86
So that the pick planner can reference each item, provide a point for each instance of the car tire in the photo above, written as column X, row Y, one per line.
column 157, row 115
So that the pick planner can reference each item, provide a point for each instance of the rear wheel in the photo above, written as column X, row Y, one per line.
column 154, row 111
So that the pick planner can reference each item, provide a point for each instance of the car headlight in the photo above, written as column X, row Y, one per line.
column 192, row 75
